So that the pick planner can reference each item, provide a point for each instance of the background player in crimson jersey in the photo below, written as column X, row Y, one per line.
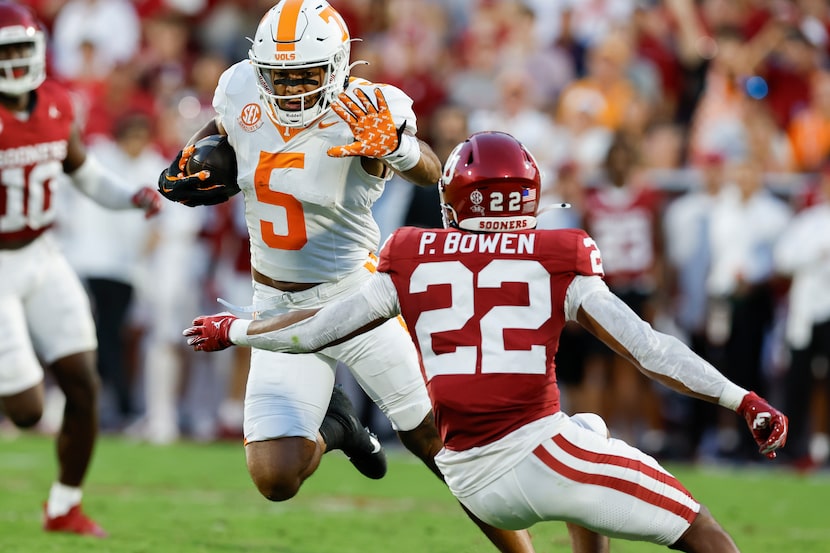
column 485, row 309
column 623, row 215
column 44, row 310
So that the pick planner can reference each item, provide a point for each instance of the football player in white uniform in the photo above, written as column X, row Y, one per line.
column 486, row 300
column 314, row 148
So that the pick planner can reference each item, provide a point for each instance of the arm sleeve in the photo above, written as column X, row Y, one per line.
column 96, row 183
column 656, row 353
column 377, row 299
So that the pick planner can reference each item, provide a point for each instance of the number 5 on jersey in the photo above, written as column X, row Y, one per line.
column 295, row 236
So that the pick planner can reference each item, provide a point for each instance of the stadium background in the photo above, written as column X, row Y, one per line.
column 689, row 84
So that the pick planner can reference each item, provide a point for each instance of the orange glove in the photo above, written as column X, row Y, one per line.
column 375, row 133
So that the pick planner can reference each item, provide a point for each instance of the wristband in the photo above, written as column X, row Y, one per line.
column 238, row 333
column 406, row 156
column 731, row 396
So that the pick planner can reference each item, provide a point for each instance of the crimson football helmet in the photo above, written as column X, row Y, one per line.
column 22, row 50
column 491, row 183
column 300, row 34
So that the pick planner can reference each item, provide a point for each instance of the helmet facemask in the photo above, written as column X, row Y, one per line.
column 22, row 74
column 316, row 37
column 448, row 215
column 314, row 103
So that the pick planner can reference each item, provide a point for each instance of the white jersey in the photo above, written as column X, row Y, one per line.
column 308, row 215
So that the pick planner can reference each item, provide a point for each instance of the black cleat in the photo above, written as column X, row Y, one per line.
column 361, row 446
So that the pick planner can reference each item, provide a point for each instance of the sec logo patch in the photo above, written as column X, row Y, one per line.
column 250, row 119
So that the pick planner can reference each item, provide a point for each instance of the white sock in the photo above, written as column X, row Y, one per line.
column 61, row 499
column 161, row 381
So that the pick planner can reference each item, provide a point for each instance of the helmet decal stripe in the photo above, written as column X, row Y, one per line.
column 287, row 27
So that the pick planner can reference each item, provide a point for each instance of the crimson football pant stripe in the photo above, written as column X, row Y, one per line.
column 619, row 484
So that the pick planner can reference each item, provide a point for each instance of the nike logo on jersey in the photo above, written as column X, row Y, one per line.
column 54, row 112
column 324, row 125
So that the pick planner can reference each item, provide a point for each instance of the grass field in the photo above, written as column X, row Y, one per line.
column 197, row 498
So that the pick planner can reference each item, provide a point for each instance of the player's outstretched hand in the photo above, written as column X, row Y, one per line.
column 149, row 200
column 190, row 190
column 768, row 425
column 210, row 332
column 372, row 126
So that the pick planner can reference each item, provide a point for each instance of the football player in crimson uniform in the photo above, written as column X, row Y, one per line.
column 485, row 300
column 44, row 310
column 314, row 149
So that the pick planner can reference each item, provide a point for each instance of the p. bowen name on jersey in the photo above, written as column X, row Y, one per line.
column 470, row 242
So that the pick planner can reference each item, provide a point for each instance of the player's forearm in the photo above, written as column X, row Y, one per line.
column 676, row 366
column 428, row 169
column 244, row 331
column 97, row 184
column 660, row 356
column 312, row 330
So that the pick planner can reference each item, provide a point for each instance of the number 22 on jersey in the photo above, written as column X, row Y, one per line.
column 496, row 355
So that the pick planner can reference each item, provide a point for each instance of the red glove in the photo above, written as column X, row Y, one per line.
column 210, row 332
column 767, row 424
column 149, row 200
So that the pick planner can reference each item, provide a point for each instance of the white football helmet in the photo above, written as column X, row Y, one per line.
column 298, row 34
column 19, row 26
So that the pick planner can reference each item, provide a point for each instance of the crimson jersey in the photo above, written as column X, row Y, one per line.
column 488, row 329
column 624, row 222
column 32, row 151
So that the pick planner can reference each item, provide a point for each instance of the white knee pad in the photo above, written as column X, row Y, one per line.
column 591, row 421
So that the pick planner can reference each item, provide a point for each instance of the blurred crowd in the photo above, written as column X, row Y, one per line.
column 691, row 138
